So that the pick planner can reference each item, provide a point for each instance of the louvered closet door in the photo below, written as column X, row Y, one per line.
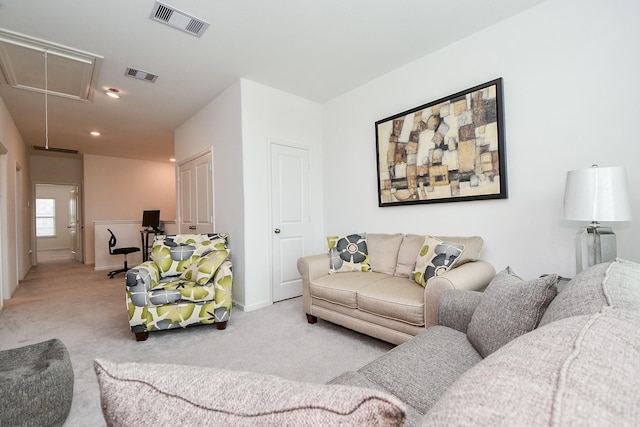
column 195, row 201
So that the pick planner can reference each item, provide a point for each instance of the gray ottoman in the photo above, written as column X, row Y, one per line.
column 36, row 385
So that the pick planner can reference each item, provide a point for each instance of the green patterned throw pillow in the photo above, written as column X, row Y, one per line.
column 202, row 270
column 435, row 258
column 348, row 253
column 172, row 260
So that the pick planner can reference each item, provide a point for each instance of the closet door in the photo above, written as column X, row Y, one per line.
column 195, row 198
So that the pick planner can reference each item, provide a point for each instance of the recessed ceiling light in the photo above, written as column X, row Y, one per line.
column 95, row 133
column 113, row 93
column 172, row 159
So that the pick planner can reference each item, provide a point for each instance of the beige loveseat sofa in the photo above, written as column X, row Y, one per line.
column 386, row 302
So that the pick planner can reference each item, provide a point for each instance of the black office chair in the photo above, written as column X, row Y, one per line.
column 119, row 251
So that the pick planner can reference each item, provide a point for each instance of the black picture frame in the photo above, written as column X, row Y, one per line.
column 448, row 150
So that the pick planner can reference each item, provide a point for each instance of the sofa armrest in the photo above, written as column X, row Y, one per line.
column 456, row 307
column 310, row 268
column 472, row 276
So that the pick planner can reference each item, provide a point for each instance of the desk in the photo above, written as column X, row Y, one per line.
column 144, row 235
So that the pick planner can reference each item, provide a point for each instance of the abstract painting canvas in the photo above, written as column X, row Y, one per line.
column 451, row 149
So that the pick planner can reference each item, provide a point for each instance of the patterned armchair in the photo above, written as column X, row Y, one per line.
column 186, row 282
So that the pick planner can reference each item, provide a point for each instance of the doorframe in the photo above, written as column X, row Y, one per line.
column 79, row 217
column 3, row 223
column 270, row 143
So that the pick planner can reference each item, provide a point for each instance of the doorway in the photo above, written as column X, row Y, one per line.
column 58, row 228
column 291, row 222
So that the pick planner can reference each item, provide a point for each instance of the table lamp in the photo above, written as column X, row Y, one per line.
column 596, row 194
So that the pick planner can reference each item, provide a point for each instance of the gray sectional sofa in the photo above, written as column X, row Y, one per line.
column 385, row 301
column 503, row 357
column 517, row 354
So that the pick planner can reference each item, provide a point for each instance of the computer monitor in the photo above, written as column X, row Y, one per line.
column 151, row 219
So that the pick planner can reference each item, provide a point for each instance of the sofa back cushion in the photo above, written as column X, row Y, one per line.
column 613, row 284
column 173, row 254
column 472, row 247
column 581, row 370
column 509, row 308
column 412, row 243
column 407, row 254
column 383, row 252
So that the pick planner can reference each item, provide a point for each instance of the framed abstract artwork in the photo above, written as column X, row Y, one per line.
column 448, row 150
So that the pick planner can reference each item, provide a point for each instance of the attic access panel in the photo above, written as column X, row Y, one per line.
column 71, row 73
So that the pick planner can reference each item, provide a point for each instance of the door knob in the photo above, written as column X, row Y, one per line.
column 277, row 231
column 192, row 227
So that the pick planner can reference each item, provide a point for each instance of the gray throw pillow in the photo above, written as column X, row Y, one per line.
column 509, row 308
column 134, row 394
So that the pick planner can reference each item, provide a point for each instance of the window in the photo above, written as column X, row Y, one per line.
column 45, row 217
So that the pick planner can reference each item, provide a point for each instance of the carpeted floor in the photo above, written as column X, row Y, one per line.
column 86, row 311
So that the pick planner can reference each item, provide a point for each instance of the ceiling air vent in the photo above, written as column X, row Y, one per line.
column 177, row 19
column 140, row 75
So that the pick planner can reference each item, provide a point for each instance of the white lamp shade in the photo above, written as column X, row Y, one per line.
column 597, row 194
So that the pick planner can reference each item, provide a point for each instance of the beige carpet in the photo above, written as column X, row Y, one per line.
column 86, row 311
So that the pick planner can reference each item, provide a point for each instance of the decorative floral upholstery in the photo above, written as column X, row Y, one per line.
column 348, row 253
column 435, row 258
column 187, row 282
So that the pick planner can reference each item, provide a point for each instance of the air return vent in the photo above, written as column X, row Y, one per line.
column 140, row 75
column 177, row 19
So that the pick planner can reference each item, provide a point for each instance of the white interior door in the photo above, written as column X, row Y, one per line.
column 195, row 201
column 75, row 235
column 290, row 217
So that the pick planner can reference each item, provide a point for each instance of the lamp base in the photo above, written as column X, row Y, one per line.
column 594, row 245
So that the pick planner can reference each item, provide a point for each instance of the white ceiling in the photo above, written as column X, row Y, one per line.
column 315, row 50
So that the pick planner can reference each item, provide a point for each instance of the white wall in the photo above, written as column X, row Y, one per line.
column 217, row 126
column 15, row 195
column 239, row 125
column 121, row 189
column 571, row 88
column 270, row 115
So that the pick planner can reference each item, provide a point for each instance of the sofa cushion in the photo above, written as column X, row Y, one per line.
column 435, row 258
column 343, row 288
column 348, row 253
column 614, row 283
column 395, row 298
column 509, row 308
column 383, row 252
column 582, row 370
column 172, row 290
column 203, row 268
column 153, row 394
column 356, row 379
column 421, row 369
column 409, row 248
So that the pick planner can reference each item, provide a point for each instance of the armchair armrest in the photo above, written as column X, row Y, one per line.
column 141, row 279
column 223, row 280
column 456, row 307
column 472, row 276
column 310, row 268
